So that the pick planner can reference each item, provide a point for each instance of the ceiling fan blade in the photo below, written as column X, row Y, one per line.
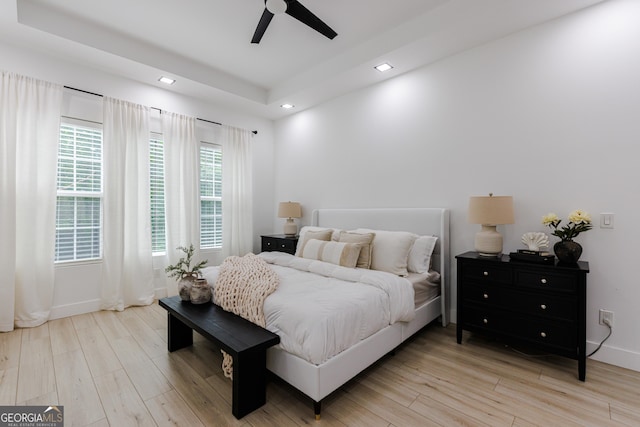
column 265, row 19
column 304, row 15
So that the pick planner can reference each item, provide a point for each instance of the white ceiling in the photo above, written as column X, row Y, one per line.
column 205, row 44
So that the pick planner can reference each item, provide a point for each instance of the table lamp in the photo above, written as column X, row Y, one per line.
column 490, row 211
column 290, row 210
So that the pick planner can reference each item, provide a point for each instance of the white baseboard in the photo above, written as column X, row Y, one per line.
column 615, row 356
column 68, row 310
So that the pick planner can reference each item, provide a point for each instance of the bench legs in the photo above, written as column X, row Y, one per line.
column 179, row 334
column 249, row 381
column 249, row 370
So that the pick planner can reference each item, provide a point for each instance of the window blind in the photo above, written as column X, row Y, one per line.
column 156, row 179
column 79, row 194
column 210, row 196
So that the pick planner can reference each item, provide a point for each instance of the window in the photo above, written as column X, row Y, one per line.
column 210, row 196
column 79, row 195
column 156, row 180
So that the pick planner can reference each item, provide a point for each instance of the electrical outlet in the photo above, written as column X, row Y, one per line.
column 606, row 316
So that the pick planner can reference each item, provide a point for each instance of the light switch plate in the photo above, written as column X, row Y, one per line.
column 606, row 220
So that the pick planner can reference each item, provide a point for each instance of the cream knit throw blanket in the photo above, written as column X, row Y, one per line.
column 242, row 286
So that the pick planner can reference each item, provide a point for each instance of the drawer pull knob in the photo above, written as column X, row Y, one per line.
column 543, row 306
column 485, row 296
column 282, row 246
column 485, row 321
column 543, row 334
column 543, row 281
column 268, row 243
column 486, row 273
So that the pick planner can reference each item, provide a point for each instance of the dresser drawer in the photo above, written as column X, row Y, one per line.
column 487, row 273
column 560, row 334
column 538, row 304
column 487, row 294
column 488, row 319
column 279, row 244
column 547, row 281
column 557, row 334
column 547, row 306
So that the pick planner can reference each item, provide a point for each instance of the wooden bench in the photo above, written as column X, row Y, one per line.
column 245, row 342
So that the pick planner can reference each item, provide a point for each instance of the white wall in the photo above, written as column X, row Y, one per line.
column 549, row 115
column 77, row 286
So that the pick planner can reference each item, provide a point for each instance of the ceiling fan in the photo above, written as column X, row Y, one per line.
column 294, row 9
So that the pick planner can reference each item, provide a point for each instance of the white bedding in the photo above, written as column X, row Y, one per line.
column 298, row 311
column 426, row 286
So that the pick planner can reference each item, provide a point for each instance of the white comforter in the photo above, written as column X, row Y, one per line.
column 321, row 309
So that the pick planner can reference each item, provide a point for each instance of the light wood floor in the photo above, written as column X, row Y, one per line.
column 112, row 368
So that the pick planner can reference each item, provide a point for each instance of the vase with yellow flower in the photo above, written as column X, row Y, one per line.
column 568, row 251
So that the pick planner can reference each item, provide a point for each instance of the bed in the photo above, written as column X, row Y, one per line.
column 319, row 377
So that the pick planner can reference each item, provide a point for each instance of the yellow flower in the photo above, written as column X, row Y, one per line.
column 579, row 221
column 550, row 218
column 580, row 217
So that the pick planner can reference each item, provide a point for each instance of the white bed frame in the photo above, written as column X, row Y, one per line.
column 318, row 381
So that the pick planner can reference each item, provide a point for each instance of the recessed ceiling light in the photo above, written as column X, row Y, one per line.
column 166, row 80
column 287, row 106
column 383, row 67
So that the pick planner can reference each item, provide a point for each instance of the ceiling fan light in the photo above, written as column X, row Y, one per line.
column 276, row 6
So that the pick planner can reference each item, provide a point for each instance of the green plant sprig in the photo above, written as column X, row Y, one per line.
column 183, row 267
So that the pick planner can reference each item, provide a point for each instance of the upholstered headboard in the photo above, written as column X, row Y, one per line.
column 421, row 221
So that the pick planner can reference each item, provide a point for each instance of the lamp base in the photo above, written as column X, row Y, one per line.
column 488, row 241
column 290, row 227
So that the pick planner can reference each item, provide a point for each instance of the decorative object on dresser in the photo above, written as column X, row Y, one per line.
column 535, row 240
column 535, row 305
column 290, row 210
column 280, row 243
column 489, row 211
column 525, row 255
column 566, row 249
column 187, row 275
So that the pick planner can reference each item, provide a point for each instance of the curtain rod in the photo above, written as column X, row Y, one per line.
column 255, row 132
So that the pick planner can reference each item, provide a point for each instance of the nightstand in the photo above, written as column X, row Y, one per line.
column 537, row 305
column 280, row 243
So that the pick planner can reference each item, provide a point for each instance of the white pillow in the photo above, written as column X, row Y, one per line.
column 308, row 233
column 419, row 260
column 364, row 240
column 338, row 253
column 390, row 251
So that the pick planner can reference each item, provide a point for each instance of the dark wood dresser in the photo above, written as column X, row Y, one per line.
column 280, row 243
column 540, row 306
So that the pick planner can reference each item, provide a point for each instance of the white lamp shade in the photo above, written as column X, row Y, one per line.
column 491, row 210
column 289, row 210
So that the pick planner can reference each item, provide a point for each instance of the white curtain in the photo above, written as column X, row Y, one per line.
column 29, row 130
column 182, row 196
column 237, row 192
column 127, row 270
